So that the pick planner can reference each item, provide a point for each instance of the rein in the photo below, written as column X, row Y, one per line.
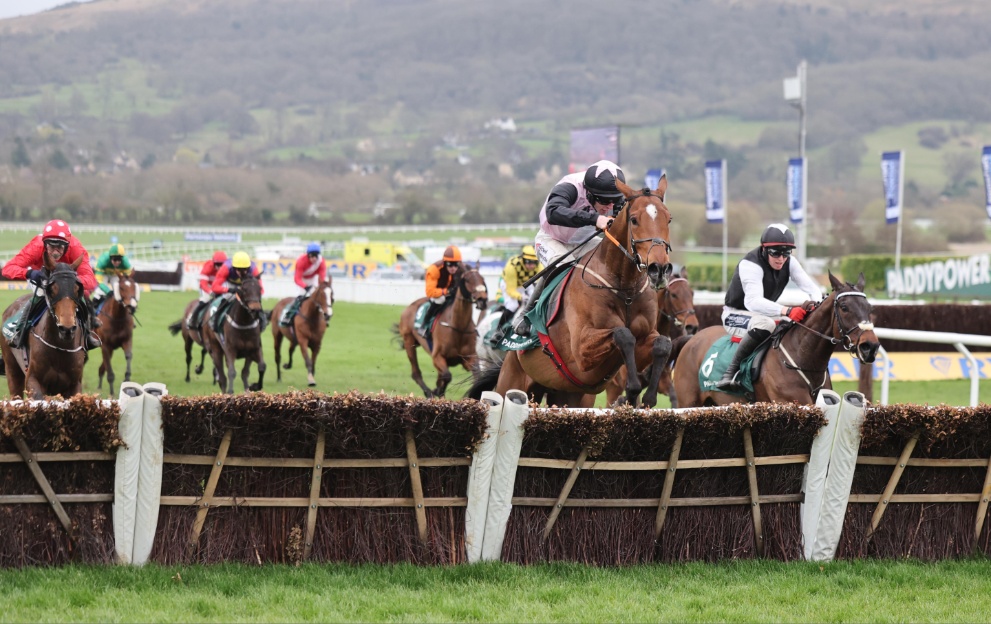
column 465, row 296
column 241, row 304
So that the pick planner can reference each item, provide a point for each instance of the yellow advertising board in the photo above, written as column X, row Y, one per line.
column 917, row 366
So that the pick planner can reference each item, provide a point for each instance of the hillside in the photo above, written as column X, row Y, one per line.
column 403, row 87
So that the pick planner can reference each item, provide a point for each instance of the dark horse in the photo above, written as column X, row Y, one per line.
column 797, row 367
column 307, row 329
column 191, row 336
column 454, row 332
column 56, row 352
column 609, row 314
column 117, row 315
column 239, row 338
column 675, row 318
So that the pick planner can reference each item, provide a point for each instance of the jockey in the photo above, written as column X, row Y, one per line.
column 518, row 270
column 578, row 205
column 207, row 273
column 439, row 282
column 57, row 242
column 111, row 264
column 311, row 269
column 750, row 306
column 232, row 273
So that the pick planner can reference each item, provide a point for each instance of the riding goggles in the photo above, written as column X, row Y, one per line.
column 605, row 201
column 451, row 265
column 778, row 252
column 58, row 244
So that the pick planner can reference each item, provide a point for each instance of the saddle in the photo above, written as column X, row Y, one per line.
column 543, row 314
column 216, row 312
column 421, row 321
column 10, row 327
column 720, row 354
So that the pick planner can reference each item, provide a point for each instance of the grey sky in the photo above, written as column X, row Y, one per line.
column 14, row 8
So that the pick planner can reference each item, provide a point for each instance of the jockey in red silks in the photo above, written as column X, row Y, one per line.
column 57, row 242
column 311, row 269
column 207, row 273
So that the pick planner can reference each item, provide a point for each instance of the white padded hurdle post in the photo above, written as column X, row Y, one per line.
column 150, row 477
column 814, row 483
column 480, row 478
column 515, row 411
column 839, row 477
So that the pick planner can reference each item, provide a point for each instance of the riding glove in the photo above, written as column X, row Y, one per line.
column 36, row 275
column 796, row 314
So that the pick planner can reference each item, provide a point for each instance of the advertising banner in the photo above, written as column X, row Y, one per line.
column 796, row 189
column 892, row 174
column 986, row 169
column 653, row 178
column 715, row 191
column 970, row 276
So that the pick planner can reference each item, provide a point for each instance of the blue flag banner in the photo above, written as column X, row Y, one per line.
column 653, row 178
column 986, row 168
column 892, row 170
column 715, row 191
column 796, row 189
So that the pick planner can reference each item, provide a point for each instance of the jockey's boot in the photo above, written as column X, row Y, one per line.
column 522, row 325
column 19, row 340
column 501, row 328
column 89, row 322
column 428, row 318
column 750, row 341
column 195, row 316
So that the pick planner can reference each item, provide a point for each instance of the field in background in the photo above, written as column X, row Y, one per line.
column 358, row 354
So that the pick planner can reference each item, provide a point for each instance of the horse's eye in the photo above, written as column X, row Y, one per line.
column 670, row 219
column 634, row 221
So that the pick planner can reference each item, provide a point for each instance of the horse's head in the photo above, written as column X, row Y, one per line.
column 852, row 319
column 63, row 294
column 249, row 294
column 643, row 226
column 323, row 296
column 127, row 293
column 471, row 286
column 678, row 305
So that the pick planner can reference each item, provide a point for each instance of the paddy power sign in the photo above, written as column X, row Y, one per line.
column 954, row 276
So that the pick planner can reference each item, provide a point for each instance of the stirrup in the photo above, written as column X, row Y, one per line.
column 730, row 384
column 93, row 341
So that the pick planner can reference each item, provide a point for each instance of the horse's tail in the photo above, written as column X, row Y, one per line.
column 485, row 380
column 176, row 327
column 397, row 339
column 676, row 347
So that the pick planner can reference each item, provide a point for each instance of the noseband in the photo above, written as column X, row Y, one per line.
column 845, row 339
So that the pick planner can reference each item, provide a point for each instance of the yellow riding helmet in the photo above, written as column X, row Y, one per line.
column 529, row 253
column 117, row 250
column 241, row 260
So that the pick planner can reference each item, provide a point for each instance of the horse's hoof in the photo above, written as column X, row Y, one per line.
column 312, row 384
column 255, row 387
column 198, row 370
column 287, row 366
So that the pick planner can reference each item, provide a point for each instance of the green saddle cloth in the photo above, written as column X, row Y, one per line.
column 216, row 313
column 537, row 317
column 421, row 315
column 717, row 360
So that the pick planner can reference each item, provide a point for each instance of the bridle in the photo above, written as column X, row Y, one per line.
column 50, row 304
column 462, row 285
column 241, row 303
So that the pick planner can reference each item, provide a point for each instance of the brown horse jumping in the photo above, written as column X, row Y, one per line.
column 117, row 315
column 609, row 313
column 239, row 338
column 307, row 329
column 675, row 318
column 53, row 361
column 796, row 368
column 454, row 332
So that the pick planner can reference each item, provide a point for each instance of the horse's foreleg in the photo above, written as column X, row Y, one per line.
column 443, row 375
column 314, row 350
column 410, row 345
column 659, row 352
column 231, row 361
column 292, row 349
column 127, row 358
column 627, row 344
column 199, row 369
column 107, row 366
column 260, row 359
column 99, row 377
column 304, row 350
column 245, row 371
column 34, row 389
column 277, row 345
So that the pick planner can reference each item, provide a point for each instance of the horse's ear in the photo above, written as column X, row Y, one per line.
column 662, row 187
column 861, row 281
column 835, row 283
column 75, row 265
column 627, row 191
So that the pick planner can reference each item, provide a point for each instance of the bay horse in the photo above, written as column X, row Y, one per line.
column 675, row 318
column 607, row 314
column 117, row 329
column 191, row 336
column 239, row 338
column 307, row 329
column 453, row 337
column 797, row 366
column 53, row 362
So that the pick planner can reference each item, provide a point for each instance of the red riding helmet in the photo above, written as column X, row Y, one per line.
column 56, row 229
column 219, row 256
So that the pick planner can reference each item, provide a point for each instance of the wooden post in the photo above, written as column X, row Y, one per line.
column 311, row 513
column 748, row 449
column 662, row 507
column 211, row 487
column 43, row 483
column 982, row 507
column 889, row 489
column 565, row 491
column 414, row 475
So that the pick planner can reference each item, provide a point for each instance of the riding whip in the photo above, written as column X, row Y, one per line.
column 558, row 261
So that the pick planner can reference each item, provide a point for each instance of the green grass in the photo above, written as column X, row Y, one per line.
column 742, row 591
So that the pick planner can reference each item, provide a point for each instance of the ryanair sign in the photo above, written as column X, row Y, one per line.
column 954, row 276
column 928, row 366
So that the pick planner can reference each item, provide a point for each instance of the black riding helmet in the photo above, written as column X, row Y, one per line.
column 777, row 235
column 600, row 181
